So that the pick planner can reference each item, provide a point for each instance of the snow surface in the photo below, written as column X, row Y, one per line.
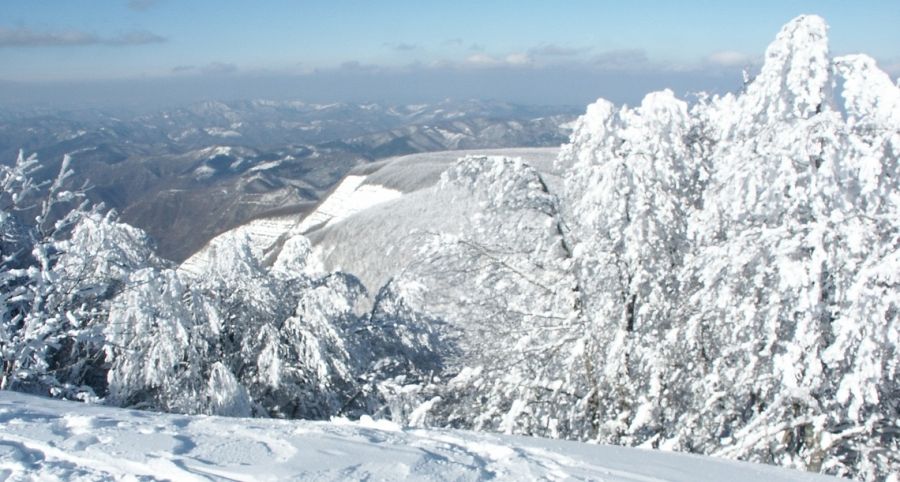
column 350, row 197
column 418, row 171
column 215, row 151
column 395, row 228
column 368, row 186
column 221, row 132
column 391, row 230
column 43, row 439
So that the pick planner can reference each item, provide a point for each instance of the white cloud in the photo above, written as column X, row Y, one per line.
column 730, row 58
column 553, row 50
column 517, row 59
column 482, row 59
column 25, row 37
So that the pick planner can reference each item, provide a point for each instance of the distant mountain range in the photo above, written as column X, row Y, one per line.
column 187, row 174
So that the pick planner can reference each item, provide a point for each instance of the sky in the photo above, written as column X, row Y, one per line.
column 529, row 51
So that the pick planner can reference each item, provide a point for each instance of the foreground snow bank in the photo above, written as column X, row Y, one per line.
column 42, row 439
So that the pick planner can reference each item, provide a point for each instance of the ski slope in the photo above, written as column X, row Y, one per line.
column 43, row 439
column 350, row 197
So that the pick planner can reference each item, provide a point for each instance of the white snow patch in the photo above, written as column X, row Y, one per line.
column 350, row 197
column 263, row 166
column 43, row 439
column 203, row 172
column 215, row 151
column 222, row 132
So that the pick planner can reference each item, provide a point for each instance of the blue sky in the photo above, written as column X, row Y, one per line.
column 254, row 46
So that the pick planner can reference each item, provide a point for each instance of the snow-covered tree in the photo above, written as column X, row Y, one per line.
column 156, row 345
column 633, row 178
column 58, row 272
column 408, row 353
column 801, row 206
column 505, row 299
column 738, row 263
column 309, row 363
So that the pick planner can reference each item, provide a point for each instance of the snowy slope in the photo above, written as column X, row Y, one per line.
column 390, row 231
column 393, row 230
column 350, row 197
column 369, row 186
column 44, row 439
column 417, row 171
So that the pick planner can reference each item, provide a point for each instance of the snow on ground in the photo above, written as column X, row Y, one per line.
column 263, row 166
column 43, row 439
column 369, row 186
column 392, row 230
column 374, row 184
column 215, row 151
column 418, row 171
column 222, row 132
column 350, row 197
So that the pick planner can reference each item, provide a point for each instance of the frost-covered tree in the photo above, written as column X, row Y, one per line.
column 157, row 344
column 308, row 364
column 408, row 353
column 19, row 195
column 738, row 262
column 59, row 270
column 633, row 178
column 88, row 311
column 296, row 346
column 251, row 331
column 506, row 301
column 801, row 205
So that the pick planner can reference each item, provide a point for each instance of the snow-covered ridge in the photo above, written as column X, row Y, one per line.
column 44, row 439
column 393, row 229
column 367, row 187
column 350, row 197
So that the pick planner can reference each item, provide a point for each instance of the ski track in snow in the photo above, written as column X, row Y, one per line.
column 43, row 439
